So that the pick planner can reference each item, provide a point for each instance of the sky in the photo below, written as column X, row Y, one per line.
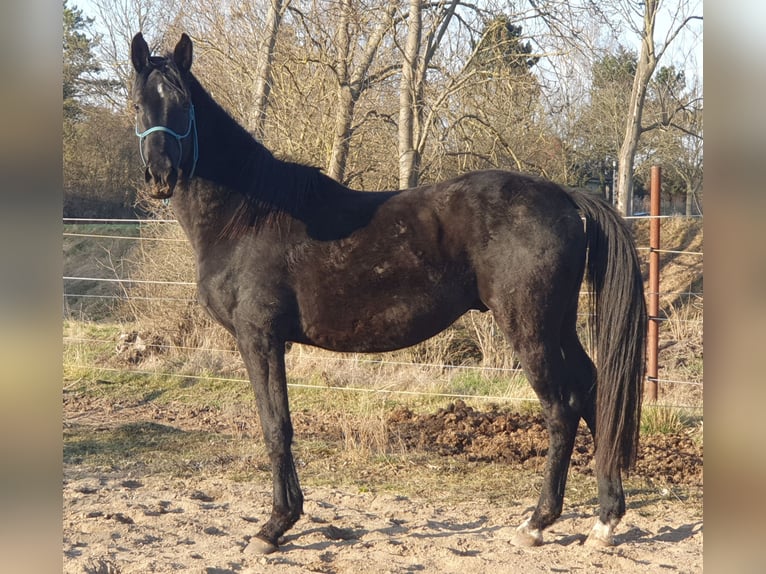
column 686, row 49
column 683, row 51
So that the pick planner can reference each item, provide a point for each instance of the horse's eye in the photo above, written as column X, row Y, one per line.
column 135, row 108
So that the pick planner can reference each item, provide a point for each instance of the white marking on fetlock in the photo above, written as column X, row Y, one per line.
column 602, row 535
column 527, row 536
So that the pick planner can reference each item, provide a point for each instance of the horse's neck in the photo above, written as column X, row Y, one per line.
column 200, row 207
column 226, row 152
column 233, row 170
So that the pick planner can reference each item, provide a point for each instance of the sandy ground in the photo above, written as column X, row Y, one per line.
column 119, row 524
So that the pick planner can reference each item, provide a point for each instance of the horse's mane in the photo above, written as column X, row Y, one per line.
column 267, row 189
column 270, row 191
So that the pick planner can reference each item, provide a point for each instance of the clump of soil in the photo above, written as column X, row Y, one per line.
column 517, row 438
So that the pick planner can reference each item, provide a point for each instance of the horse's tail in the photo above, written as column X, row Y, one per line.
column 618, row 332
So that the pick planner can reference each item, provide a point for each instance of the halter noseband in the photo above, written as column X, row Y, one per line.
column 179, row 137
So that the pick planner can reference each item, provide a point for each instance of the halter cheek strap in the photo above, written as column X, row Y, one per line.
column 191, row 129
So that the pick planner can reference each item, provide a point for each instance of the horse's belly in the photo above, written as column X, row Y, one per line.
column 385, row 324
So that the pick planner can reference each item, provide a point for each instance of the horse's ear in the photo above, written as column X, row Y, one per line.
column 182, row 55
column 139, row 53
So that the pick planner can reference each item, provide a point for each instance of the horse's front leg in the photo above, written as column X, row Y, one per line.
column 265, row 362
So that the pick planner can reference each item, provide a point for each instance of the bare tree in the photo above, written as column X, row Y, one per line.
column 676, row 135
column 265, row 63
column 120, row 20
column 239, row 46
column 648, row 57
column 228, row 41
column 598, row 123
column 353, row 74
column 328, row 73
column 409, row 160
column 416, row 60
column 496, row 118
column 640, row 18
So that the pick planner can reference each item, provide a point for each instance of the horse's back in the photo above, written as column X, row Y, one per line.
column 495, row 204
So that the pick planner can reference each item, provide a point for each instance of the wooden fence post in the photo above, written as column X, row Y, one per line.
column 654, row 285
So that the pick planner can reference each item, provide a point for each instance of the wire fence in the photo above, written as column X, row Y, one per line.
column 125, row 295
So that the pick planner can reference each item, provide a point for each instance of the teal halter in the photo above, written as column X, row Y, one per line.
column 179, row 137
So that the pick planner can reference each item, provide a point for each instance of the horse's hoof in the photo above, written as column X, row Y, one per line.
column 527, row 537
column 259, row 547
column 601, row 536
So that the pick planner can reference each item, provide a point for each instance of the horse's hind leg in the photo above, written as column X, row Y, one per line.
column 543, row 362
column 583, row 398
column 265, row 363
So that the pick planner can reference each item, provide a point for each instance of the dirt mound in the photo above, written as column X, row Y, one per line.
column 515, row 438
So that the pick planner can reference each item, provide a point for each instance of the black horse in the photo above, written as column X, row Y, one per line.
column 285, row 253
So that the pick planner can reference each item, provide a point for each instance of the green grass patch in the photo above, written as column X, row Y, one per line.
column 128, row 386
column 475, row 382
column 125, row 229
column 661, row 419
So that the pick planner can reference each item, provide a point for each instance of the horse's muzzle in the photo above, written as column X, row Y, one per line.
column 161, row 182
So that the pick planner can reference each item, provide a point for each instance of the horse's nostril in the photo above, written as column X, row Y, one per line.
column 162, row 180
column 160, row 174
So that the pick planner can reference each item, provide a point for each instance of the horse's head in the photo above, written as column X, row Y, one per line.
column 165, row 122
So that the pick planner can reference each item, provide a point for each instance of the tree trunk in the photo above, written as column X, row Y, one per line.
column 689, row 207
column 692, row 187
column 409, row 160
column 627, row 153
column 345, row 101
column 352, row 85
column 265, row 60
column 413, row 127
column 647, row 62
column 342, row 134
